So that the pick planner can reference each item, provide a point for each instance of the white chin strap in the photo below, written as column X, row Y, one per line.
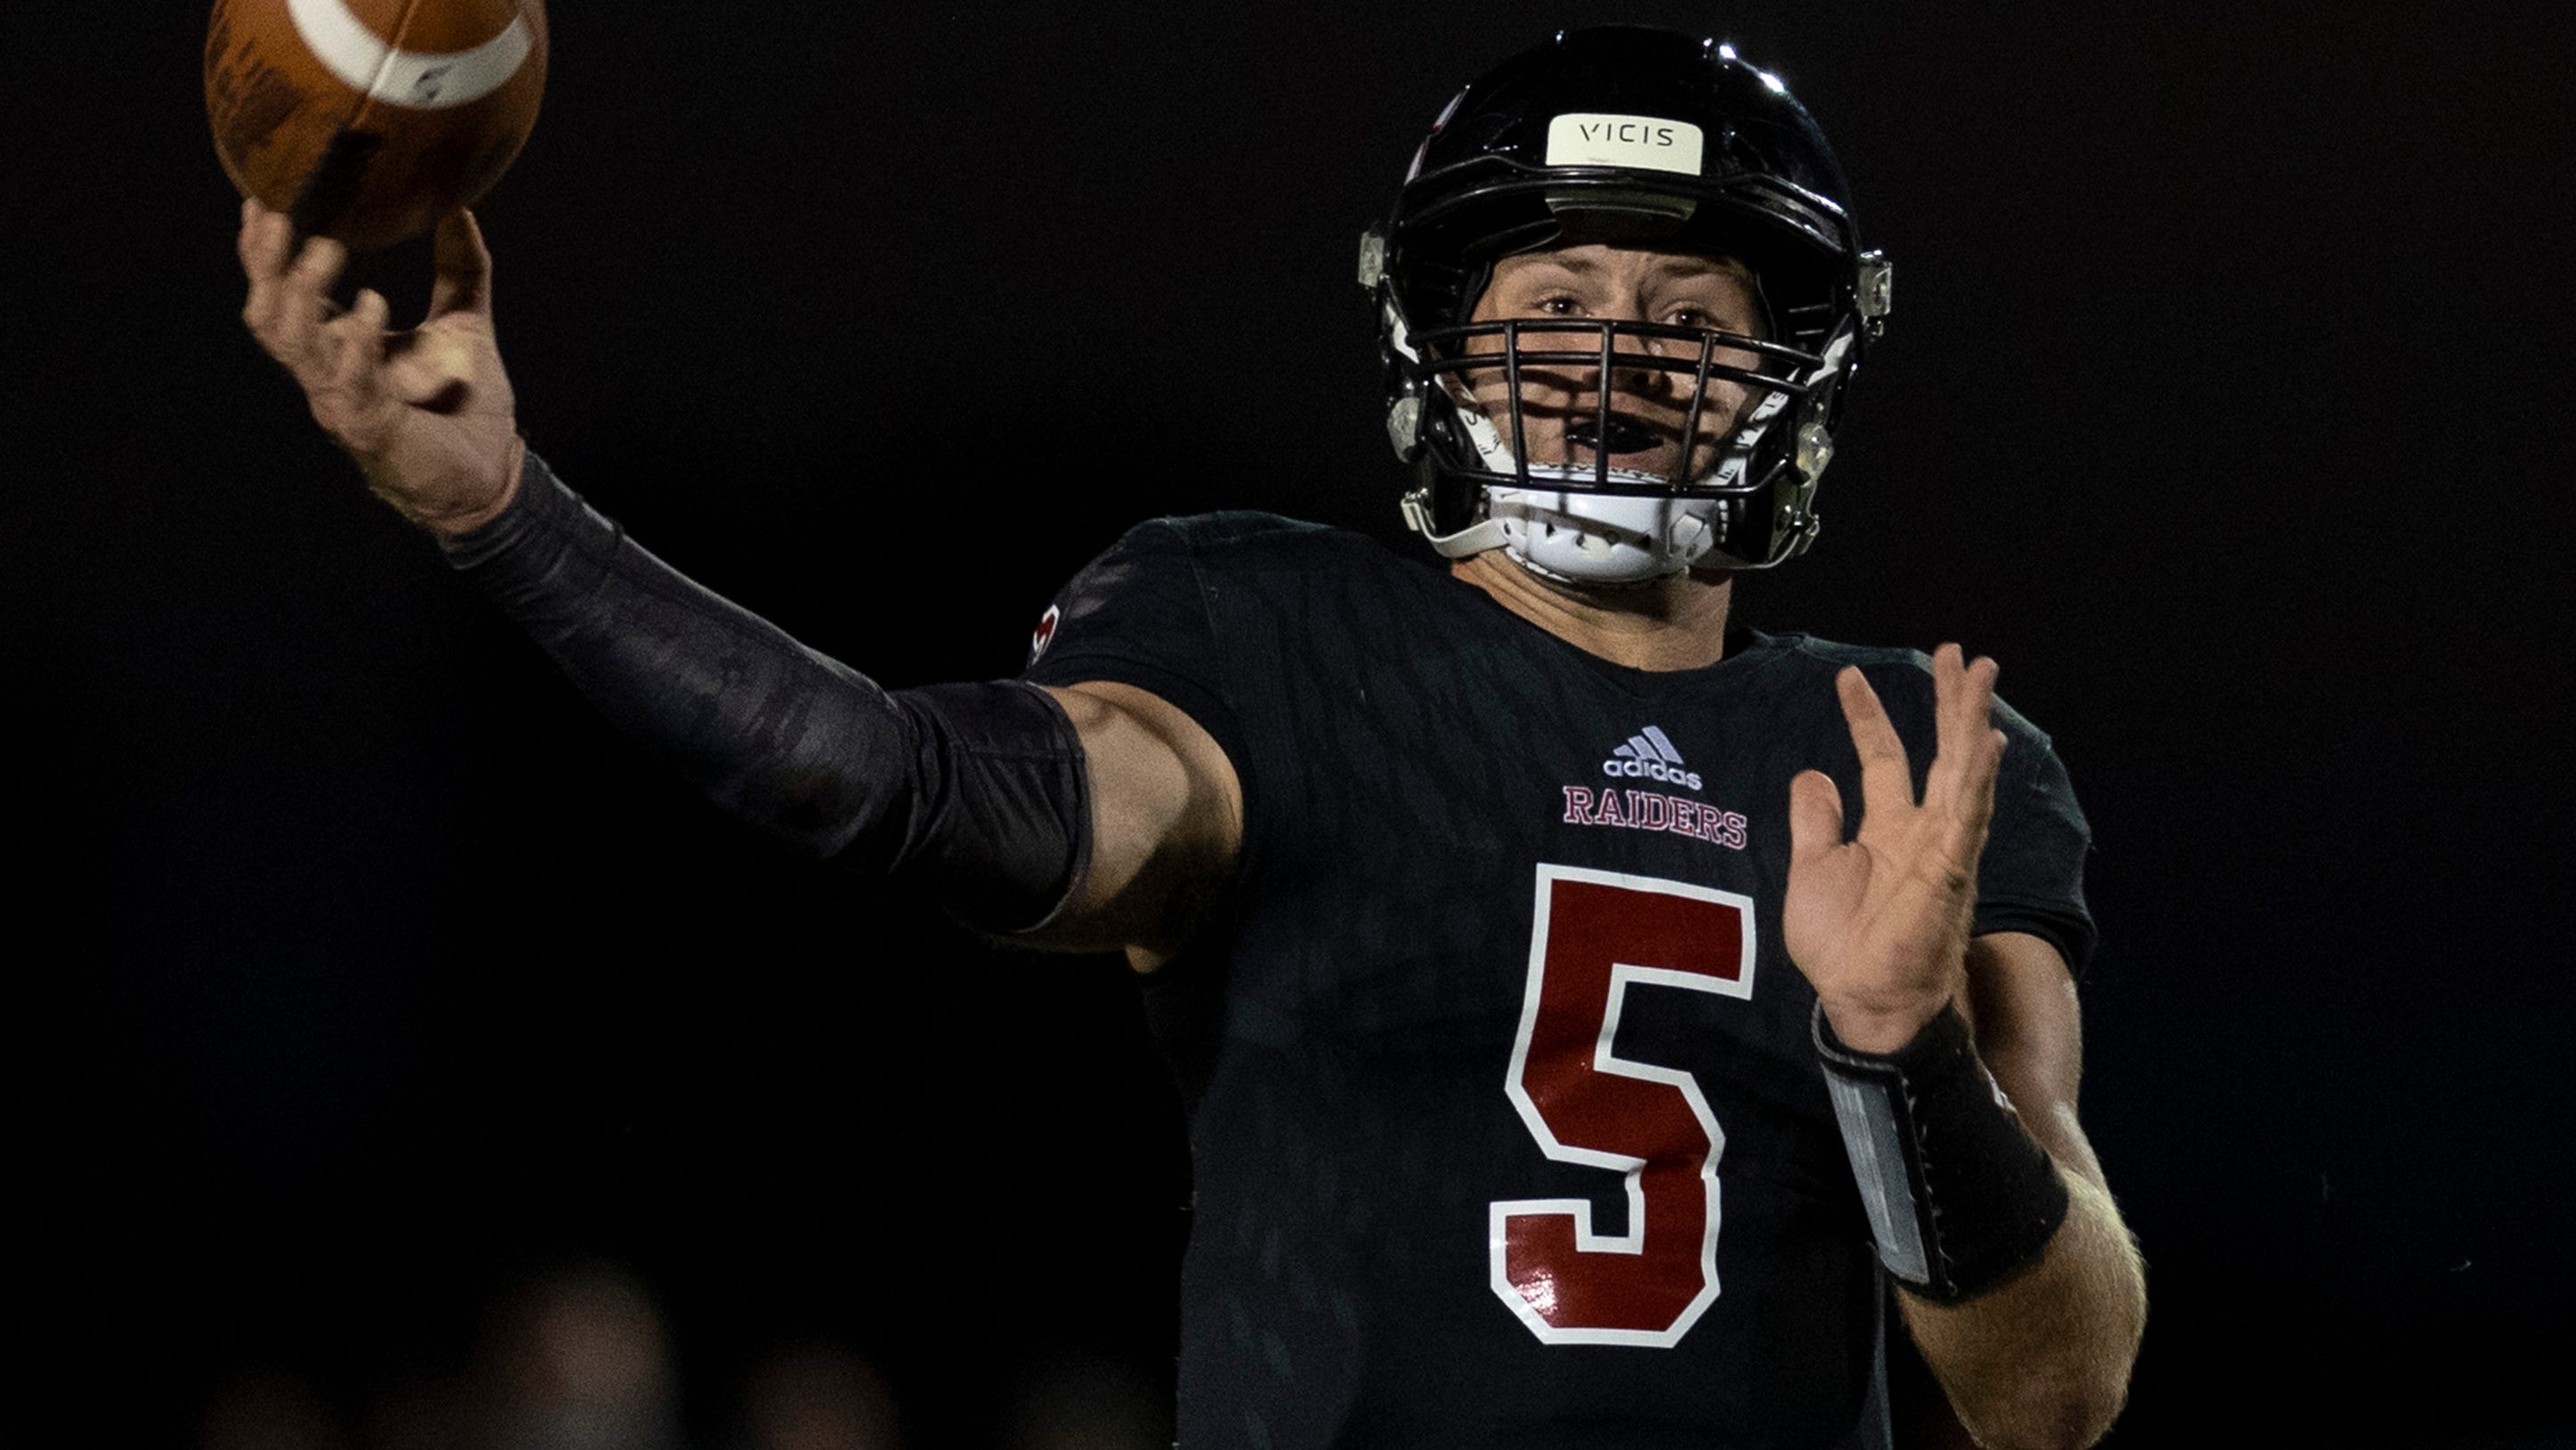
column 1581, row 537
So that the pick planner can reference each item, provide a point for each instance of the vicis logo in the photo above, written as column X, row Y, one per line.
column 1649, row 755
column 1653, row 143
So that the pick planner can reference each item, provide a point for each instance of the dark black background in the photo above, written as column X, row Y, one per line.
column 358, row 971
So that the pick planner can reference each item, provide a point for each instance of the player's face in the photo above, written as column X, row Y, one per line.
column 1560, row 404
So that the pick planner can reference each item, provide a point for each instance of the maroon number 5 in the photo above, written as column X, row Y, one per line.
column 1596, row 935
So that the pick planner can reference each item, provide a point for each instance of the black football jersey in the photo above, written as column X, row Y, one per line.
column 1506, row 1122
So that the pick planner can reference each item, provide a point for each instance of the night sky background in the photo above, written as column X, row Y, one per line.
column 357, row 971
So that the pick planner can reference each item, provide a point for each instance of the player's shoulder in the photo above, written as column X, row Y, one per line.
column 1182, row 582
column 1901, row 675
column 1267, row 551
column 1249, row 536
column 1830, row 656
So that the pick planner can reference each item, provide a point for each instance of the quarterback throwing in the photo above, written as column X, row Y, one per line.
column 1601, row 1023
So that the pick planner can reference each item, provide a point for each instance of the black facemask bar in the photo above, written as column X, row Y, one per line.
column 1444, row 353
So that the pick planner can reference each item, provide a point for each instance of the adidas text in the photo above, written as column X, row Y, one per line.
column 1649, row 755
column 1651, row 770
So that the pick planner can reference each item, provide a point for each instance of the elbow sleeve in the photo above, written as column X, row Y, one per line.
column 976, row 790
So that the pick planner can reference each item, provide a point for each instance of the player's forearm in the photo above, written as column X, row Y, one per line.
column 2014, row 1269
column 2041, row 1361
column 977, row 787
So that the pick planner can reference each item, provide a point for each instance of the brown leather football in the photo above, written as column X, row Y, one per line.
column 368, row 120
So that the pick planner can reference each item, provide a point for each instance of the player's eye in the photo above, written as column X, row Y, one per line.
column 1557, row 305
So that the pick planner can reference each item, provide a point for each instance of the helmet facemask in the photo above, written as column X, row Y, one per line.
column 1660, row 468
column 1532, row 433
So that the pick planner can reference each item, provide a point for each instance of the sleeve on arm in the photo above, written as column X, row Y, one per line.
column 1141, row 614
column 2031, row 878
column 979, row 791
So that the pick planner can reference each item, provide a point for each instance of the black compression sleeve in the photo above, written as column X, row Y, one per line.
column 978, row 788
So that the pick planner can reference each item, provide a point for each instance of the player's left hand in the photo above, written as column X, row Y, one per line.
column 1879, row 924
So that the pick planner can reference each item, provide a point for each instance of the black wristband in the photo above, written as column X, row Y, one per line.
column 1959, row 1196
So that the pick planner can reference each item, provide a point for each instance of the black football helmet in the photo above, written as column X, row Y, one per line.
column 1642, row 136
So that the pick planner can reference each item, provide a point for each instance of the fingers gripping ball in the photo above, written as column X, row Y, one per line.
column 368, row 120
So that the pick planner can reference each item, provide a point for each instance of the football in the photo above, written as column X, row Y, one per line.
column 368, row 120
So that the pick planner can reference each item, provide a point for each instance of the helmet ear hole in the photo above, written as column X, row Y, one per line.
column 1456, row 501
column 1463, row 502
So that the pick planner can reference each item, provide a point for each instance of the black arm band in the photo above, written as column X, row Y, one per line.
column 976, row 790
column 1959, row 1196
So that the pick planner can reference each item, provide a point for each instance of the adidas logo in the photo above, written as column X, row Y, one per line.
column 1649, row 755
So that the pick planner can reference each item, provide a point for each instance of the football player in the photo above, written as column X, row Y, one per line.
column 1593, row 1014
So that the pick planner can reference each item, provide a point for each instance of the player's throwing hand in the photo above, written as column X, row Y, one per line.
column 427, row 412
column 1879, row 924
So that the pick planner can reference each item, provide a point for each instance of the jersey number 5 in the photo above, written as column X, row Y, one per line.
column 1596, row 935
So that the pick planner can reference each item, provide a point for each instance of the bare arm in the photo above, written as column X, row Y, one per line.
column 1166, row 825
column 2042, row 1360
